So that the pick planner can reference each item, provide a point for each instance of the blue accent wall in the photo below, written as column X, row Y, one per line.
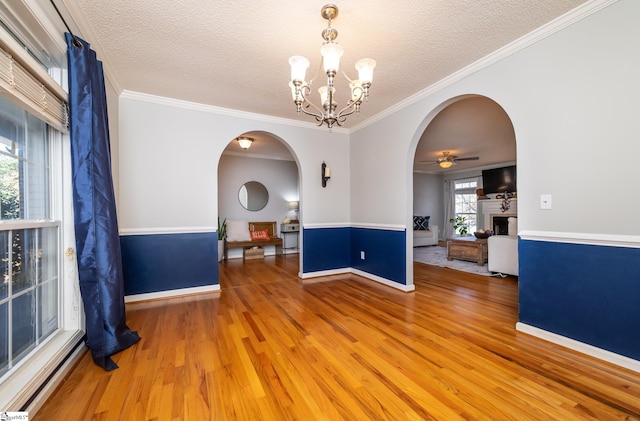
column 326, row 249
column 384, row 252
column 339, row 248
column 584, row 292
column 161, row 262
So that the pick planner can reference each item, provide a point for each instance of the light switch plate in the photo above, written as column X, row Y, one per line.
column 545, row 201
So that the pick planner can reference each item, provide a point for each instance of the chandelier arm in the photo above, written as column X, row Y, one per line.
column 307, row 103
column 318, row 117
column 317, row 72
column 351, row 107
column 347, row 77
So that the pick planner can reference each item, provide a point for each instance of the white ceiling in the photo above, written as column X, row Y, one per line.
column 234, row 54
column 475, row 126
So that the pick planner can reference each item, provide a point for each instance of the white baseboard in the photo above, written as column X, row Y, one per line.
column 319, row 273
column 170, row 293
column 591, row 350
column 384, row 281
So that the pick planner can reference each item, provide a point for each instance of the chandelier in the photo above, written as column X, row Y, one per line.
column 331, row 52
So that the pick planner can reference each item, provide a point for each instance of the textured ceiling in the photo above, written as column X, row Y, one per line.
column 234, row 54
column 471, row 127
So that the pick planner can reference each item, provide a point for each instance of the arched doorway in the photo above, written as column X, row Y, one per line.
column 270, row 163
column 462, row 138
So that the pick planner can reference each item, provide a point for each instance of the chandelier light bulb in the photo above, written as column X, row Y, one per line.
column 365, row 70
column 324, row 94
column 299, row 66
column 331, row 53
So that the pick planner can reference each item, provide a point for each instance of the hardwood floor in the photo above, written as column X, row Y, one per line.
column 268, row 347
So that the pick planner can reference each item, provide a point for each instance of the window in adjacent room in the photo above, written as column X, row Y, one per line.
column 465, row 200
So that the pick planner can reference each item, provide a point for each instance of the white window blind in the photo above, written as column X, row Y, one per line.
column 21, row 86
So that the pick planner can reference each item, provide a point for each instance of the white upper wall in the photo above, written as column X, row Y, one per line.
column 428, row 198
column 112, row 109
column 280, row 178
column 169, row 154
column 572, row 100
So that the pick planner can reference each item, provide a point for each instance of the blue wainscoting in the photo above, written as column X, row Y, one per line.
column 584, row 292
column 339, row 248
column 162, row 262
column 326, row 249
column 384, row 252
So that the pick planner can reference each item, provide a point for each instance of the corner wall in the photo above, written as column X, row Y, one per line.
column 169, row 185
column 571, row 97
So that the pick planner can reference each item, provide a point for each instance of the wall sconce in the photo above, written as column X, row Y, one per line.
column 326, row 174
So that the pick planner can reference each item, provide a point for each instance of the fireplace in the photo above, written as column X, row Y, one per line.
column 500, row 223
column 488, row 209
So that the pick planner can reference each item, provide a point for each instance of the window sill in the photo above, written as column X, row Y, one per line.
column 19, row 386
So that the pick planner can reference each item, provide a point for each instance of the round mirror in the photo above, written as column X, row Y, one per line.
column 253, row 196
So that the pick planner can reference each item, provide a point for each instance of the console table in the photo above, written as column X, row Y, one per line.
column 289, row 229
column 468, row 248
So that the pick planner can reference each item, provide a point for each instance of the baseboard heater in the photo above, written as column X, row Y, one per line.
column 47, row 383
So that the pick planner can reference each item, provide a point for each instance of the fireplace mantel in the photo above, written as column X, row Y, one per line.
column 491, row 207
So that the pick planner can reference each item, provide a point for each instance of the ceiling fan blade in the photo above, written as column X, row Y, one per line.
column 471, row 158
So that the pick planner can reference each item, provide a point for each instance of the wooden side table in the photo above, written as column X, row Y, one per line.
column 468, row 248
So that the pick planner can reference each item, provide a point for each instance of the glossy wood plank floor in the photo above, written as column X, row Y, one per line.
column 268, row 347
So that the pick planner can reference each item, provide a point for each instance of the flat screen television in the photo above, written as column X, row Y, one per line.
column 499, row 180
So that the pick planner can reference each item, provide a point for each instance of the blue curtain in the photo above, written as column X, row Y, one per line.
column 96, row 227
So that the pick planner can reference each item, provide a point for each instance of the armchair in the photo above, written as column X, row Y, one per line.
column 503, row 250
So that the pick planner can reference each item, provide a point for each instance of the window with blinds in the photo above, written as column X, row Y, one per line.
column 27, row 88
column 19, row 85
column 40, row 309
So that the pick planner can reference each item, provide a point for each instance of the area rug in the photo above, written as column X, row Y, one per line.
column 437, row 256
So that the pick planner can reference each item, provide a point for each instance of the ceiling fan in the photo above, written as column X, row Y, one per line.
column 448, row 160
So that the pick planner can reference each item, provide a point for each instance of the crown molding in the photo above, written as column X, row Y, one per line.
column 212, row 109
column 521, row 43
column 550, row 28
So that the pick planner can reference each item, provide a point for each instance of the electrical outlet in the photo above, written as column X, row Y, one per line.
column 362, row 255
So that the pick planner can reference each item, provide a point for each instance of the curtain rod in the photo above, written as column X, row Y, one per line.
column 74, row 41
